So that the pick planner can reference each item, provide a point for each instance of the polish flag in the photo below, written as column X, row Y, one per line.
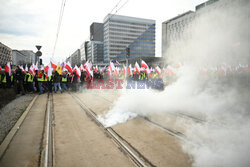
column 68, row 67
column 124, row 70
column 53, row 63
column 81, row 67
column 144, row 65
column 21, row 67
column 26, row 68
column 116, row 72
column 77, row 70
column 36, row 66
column 159, row 71
column 116, row 62
column 63, row 64
column 32, row 69
column 95, row 68
column 7, row 68
column 88, row 68
column 130, row 70
column 137, row 67
column 48, row 69
column 112, row 66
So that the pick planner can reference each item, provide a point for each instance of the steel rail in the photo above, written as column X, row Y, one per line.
column 113, row 135
column 47, row 151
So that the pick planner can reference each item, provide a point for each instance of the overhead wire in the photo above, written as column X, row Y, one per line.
column 59, row 25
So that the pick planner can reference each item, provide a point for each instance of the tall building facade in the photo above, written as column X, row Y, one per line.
column 5, row 54
column 180, row 27
column 75, row 58
column 18, row 58
column 30, row 56
column 121, row 32
column 83, row 51
column 95, row 51
column 176, row 29
column 96, row 32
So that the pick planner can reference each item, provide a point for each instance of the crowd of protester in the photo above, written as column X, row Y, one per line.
column 26, row 81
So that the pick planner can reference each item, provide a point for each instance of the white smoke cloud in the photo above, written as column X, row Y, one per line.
column 218, row 37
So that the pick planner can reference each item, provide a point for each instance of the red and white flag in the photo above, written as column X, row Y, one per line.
column 116, row 72
column 116, row 62
column 77, row 70
column 112, row 66
column 7, row 68
column 124, row 70
column 53, row 63
column 144, row 65
column 88, row 68
column 81, row 67
column 157, row 69
column 68, row 67
column 95, row 68
column 21, row 67
column 32, row 69
column 109, row 72
column 130, row 70
column 137, row 67
column 36, row 66
column 26, row 68
column 48, row 69
column 63, row 64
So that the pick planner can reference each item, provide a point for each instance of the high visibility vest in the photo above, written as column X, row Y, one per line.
column 64, row 79
column 30, row 77
column 142, row 76
column 41, row 79
column 121, row 76
column 11, row 78
column 4, row 78
column 49, row 78
column 154, row 75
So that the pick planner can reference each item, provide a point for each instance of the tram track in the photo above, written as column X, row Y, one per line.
column 47, row 144
column 34, row 126
column 172, row 132
column 125, row 146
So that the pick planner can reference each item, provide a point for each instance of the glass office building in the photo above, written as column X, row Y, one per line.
column 121, row 32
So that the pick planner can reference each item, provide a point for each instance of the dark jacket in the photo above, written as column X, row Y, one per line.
column 57, row 78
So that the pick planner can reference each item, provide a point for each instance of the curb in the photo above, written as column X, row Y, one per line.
column 15, row 128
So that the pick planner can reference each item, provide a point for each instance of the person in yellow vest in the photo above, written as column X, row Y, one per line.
column 143, row 76
column 64, row 81
column 120, row 75
column 4, row 79
column 29, row 81
column 1, row 76
column 40, row 79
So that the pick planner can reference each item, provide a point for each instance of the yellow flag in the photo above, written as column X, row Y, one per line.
column 59, row 69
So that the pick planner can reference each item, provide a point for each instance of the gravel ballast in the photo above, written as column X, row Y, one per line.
column 10, row 113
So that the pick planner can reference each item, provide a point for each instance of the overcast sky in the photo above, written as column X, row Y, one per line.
column 26, row 23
